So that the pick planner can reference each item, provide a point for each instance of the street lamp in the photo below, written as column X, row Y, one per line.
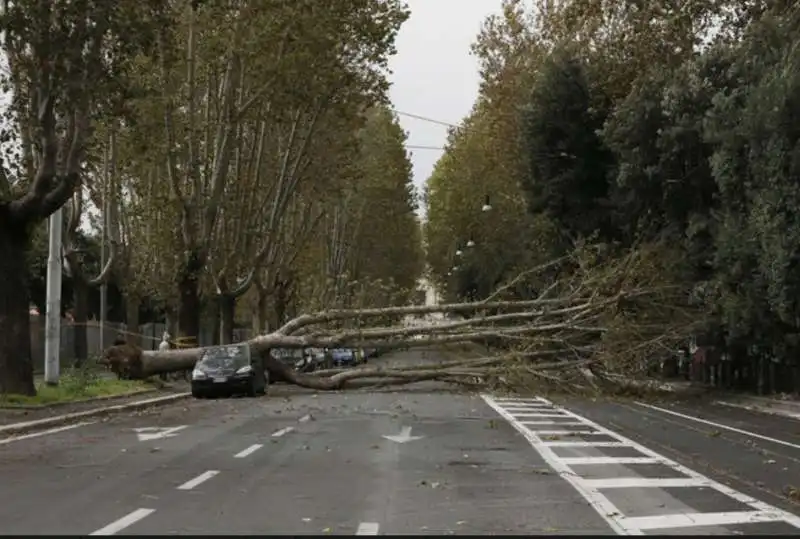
column 459, row 252
column 470, row 243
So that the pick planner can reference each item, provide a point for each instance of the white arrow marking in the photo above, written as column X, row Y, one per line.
column 146, row 434
column 404, row 436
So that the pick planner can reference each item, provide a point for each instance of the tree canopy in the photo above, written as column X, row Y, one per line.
column 669, row 123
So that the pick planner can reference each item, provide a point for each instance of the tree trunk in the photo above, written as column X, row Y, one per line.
column 80, row 300
column 227, row 315
column 260, row 316
column 189, row 309
column 16, row 369
column 132, row 304
column 280, row 305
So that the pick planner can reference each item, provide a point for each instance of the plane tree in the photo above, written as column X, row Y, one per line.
column 67, row 64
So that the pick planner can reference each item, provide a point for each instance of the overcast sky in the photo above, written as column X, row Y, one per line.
column 434, row 74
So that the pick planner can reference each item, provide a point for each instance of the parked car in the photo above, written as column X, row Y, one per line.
column 342, row 356
column 294, row 358
column 228, row 370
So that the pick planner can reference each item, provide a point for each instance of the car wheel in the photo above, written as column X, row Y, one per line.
column 198, row 394
column 252, row 389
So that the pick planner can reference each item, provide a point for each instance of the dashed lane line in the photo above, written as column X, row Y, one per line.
column 124, row 522
column 368, row 528
column 591, row 489
column 279, row 433
column 247, row 452
column 202, row 478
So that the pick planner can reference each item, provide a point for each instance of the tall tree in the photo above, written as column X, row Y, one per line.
column 56, row 51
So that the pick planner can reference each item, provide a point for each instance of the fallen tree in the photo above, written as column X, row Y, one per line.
column 601, row 322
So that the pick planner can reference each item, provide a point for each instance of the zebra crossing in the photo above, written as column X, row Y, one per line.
column 566, row 440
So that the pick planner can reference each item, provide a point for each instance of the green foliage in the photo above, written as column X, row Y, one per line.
column 649, row 127
column 569, row 162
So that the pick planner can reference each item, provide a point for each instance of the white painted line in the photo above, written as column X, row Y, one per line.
column 279, row 433
column 14, row 427
column 247, row 452
column 124, row 522
column 368, row 528
column 560, row 432
column 506, row 400
column 45, row 432
column 644, row 482
column 761, row 409
column 721, row 426
column 572, row 461
column 689, row 520
column 537, row 414
column 583, row 444
column 763, row 512
column 146, row 434
column 305, row 418
column 559, row 423
column 607, row 510
column 531, row 406
column 202, row 478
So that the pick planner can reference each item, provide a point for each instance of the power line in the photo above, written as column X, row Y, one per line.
column 425, row 119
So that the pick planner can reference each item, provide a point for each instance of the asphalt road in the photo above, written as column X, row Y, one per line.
column 297, row 462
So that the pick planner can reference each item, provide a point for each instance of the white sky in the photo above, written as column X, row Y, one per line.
column 434, row 74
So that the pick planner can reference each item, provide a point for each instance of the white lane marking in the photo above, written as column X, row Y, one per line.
column 721, row 426
column 537, row 414
column 45, row 432
column 202, row 478
column 583, row 444
column 305, row 418
column 610, row 460
column 526, row 407
column 559, row 423
column 561, row 432
column 637, row 526
column 700, row 519
column 368, row 528
column 645, row 482
column 146, row 434
column 247, row 452
column 279, row 433
column 761, row 409
column 124, row 522
column 607, row 510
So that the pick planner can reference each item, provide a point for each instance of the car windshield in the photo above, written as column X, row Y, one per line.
column 224, row 357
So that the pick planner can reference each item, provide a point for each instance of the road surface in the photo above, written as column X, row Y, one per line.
column 419, row 461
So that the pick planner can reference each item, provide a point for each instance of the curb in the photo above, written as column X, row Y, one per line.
column 19, row 428
column 80, row 401
column 770, row 409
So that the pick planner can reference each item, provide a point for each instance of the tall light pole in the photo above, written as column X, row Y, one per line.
column 52, row 331
column 110, row 156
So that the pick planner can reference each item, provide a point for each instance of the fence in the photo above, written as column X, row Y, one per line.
column 149, row 338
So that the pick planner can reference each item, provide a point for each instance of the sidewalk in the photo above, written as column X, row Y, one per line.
column 9, row 416
column 785, row 408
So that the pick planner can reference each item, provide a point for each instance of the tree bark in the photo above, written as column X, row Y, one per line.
column 189, row 308
column 260, row 316
column 16, row 369
column 80, row 299
column 227, row 315
column 132, row 304
column 279, row 307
